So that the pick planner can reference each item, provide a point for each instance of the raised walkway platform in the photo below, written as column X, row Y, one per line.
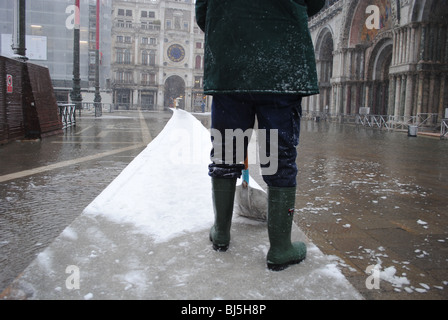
column 146, row 237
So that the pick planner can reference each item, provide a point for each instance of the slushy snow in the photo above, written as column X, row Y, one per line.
column 148, row 191
column 146, row 237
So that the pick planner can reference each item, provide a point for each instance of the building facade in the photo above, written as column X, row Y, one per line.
column 49, row 40
column 387, row 56
column 390, row 56
column 157, row 55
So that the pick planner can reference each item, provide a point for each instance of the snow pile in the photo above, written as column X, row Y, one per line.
column 389, row 275
column 166, row 189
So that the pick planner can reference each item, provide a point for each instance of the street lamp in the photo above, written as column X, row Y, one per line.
column 75, row 95
column 19, row 30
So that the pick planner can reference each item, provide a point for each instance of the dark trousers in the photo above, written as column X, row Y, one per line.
column 278, row 112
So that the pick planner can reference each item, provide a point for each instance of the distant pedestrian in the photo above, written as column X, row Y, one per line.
column 259, row 62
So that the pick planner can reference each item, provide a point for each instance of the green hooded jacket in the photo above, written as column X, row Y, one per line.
column 258, row 46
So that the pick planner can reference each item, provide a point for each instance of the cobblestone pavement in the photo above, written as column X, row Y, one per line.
column 366, row 197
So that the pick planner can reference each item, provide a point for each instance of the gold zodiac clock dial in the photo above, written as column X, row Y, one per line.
column 176, row 53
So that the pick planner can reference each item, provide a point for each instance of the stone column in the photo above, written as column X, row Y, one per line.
column 401, row 46
column 413, row 45
column 338, row 98
column 443, row 84
column 440, row 44
column 425, row 105
column 358, row 96
column 366, row 98
column 383, row 98
column 404, row 79
column 420, row 93
column 431, row 93
column 319, row 70
column 348, row 98
column 391, row 104
column 432, row 43
column 409, row 100
column 333, row 99
column 397, row 96
column 324, row 98
column 373, row 98
column 445, row 58
column 394, row 47
column 408, row 45
column 423, row 50
column 312, row 107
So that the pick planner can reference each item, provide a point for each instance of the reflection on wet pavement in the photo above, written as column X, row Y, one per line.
column 379, row 198
column 68, row 172
column 366, row 197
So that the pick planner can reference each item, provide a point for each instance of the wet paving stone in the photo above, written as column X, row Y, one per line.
column 366, row 197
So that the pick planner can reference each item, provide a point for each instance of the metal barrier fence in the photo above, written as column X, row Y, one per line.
column 422, row 121
column 375, row 121
column 444, row 129
column 111, row 107
column 98, row 107
column 67, row 113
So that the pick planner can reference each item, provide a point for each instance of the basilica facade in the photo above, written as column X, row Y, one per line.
column 389, row 57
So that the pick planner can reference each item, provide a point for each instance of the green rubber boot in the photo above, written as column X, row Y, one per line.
column 223, row 192
column 282, row 252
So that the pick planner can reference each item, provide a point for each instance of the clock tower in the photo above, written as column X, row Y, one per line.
column 158, row 54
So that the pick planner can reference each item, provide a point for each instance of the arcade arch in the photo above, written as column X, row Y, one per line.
column 399, row 69
column 378, row 77
column 324, row 58
column 429, row 11
column 175, row 92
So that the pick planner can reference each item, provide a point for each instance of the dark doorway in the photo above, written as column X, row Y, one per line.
column 175, row 92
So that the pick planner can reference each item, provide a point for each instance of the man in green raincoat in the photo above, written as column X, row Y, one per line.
column 259, row 62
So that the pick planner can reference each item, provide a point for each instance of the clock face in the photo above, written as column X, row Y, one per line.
column 176, row 53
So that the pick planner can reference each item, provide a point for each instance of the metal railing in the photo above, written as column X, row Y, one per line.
column 428, row 122
column 444, row 129
column 375, row 121
column 67, row 113
column 422, row 121
column 133, row 106
column 98, row 107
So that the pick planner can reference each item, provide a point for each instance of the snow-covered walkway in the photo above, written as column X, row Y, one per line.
column 146, row 237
